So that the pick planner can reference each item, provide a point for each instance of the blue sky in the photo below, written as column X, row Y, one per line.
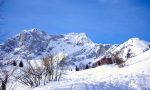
column 104, row 21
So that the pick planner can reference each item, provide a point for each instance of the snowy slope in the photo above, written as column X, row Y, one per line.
column 118, row 54
column 135, row 76
column 133, row 46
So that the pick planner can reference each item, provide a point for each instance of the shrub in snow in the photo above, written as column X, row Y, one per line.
column 5, row 76
column 53, row 68
column 49, row 68
column 32, row 76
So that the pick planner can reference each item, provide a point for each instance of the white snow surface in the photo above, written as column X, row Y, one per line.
column 134, row 76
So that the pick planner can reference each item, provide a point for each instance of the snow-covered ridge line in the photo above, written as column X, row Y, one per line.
column 33, row 44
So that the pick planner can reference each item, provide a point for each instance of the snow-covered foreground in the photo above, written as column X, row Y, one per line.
column 134, row 76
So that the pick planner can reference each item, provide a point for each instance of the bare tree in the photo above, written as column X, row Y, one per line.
column 52, row 70
column 5, row 76
column 30, row 76
column 48, row 67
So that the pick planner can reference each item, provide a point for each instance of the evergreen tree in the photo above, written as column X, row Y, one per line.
column 87, row 66
column 21, row 64
column 77, row 69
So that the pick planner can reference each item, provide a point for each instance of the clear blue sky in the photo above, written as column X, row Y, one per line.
column 104, row 21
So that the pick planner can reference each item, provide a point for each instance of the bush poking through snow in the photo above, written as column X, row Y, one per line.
column 30, row 76
column 5, row 76
column 51, row 70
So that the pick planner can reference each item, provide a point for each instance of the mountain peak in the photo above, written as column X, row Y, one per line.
column 134, row 47
column 134, row 40
column 137, row 42
column 34, row 30
column 78, row 37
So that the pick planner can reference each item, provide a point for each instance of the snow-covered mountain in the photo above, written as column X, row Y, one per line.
column 119, row 54
column 80, row 50
column 131, row 48
column 33, row 44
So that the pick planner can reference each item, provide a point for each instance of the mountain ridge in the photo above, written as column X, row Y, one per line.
column 34, row 44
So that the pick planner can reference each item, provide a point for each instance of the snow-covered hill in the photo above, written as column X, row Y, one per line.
column 120, row 54
column 132, row 47
column 135, row 76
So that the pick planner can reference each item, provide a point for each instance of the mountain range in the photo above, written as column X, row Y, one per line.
column 79, row 49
